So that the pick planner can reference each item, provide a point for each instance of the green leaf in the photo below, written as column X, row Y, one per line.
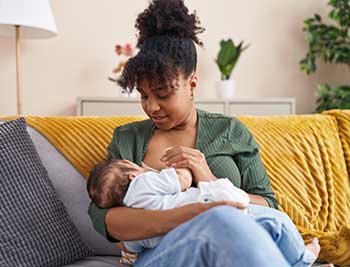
column 228, row 56
column 329, row 42
column 334, row 15
column 318, row 17
column 333, row 97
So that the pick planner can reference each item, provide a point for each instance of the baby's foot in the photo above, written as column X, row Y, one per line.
column 314, row 247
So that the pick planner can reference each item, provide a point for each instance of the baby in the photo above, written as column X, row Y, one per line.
column 124, row 183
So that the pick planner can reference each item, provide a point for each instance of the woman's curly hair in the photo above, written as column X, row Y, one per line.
column 167, row 37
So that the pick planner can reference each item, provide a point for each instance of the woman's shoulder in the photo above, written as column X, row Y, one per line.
column 230, row 124
column 134, row 127
column 220, row 119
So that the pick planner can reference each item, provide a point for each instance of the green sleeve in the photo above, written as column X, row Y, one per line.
column 98, row 215
column 254, row 179
column 113, row 147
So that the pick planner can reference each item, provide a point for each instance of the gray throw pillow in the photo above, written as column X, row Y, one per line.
column 35, row 229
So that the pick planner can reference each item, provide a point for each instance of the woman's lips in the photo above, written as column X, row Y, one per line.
column 158, row 118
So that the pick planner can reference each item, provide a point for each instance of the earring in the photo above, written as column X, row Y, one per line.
column 192, row 96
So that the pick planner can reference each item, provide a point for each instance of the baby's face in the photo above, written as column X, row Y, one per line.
column 184, row 174
column 185, row 177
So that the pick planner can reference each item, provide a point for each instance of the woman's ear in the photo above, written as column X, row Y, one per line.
column 193, row 81
column 193, row 85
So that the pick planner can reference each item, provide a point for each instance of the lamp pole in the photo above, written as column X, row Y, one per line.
column 18, row 68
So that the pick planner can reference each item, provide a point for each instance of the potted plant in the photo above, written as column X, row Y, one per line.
column 226, row 60
column 330, row 43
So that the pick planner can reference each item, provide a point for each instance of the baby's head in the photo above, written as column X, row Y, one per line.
column 109, row 181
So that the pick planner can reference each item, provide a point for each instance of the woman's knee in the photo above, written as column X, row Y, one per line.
column 224, row 220
column 222, row 214
column 265, row 212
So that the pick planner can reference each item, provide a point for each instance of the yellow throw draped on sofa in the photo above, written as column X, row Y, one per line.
column 303, row 155
column 343, row 119
column 304, row 159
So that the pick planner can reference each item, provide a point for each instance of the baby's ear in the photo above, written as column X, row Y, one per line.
column 131, row 176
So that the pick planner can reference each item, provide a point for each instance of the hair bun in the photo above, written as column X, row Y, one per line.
column 168, row 17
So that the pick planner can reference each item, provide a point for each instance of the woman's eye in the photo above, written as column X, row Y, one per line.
column 143, row 97
column 163, row 96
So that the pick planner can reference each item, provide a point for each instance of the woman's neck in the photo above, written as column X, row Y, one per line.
column 190, row 121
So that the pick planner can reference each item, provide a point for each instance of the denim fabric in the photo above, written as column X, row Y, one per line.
column 221, row 236
column 284, row 233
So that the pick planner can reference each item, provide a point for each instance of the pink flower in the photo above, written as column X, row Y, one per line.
column 118, row 49
column 128, row 50
column 125, row 51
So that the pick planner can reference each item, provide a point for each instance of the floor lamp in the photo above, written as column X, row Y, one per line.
column 25, row 19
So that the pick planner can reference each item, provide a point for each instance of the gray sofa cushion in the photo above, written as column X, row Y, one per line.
column 35, row 229
column 71, row 188
column 105, row 261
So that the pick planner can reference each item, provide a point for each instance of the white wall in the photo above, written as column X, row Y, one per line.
column 78, row 61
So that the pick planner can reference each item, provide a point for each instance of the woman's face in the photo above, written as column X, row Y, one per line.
column 168, row 109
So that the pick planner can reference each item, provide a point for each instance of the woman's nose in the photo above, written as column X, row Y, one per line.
column 152, row 105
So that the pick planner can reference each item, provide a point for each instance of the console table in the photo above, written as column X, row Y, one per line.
column 123, row 106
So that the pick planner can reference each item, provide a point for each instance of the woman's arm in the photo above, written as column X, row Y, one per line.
column 247, row 158
column 258, row 200
column 134, row 224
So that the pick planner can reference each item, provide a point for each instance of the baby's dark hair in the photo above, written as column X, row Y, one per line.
column 108, row 183
column 167, row 33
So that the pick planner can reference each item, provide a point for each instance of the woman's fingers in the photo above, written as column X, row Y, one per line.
column 185, row 163
column 176, row 154
column 172, row 151
column 185, row 157
column 179, row 161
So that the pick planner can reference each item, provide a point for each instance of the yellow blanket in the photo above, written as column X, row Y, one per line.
column 303, row 156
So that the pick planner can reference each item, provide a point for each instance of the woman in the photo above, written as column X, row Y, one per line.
column 211, row 145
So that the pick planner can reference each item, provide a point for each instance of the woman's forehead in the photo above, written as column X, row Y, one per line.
column 156, row 85
column 146, row 86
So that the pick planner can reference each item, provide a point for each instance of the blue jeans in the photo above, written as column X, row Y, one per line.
column 220, row 237
column 284, row 234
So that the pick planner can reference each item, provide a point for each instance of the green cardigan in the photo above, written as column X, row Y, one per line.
column 229, row 147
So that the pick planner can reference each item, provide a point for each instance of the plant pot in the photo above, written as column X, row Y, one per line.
column 225, row 89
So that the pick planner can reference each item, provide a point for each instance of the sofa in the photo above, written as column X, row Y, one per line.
column 307, row 158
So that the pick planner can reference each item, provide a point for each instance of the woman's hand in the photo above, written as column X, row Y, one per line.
column 185, row 157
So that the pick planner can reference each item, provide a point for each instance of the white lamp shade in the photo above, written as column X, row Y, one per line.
column 34, row 16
